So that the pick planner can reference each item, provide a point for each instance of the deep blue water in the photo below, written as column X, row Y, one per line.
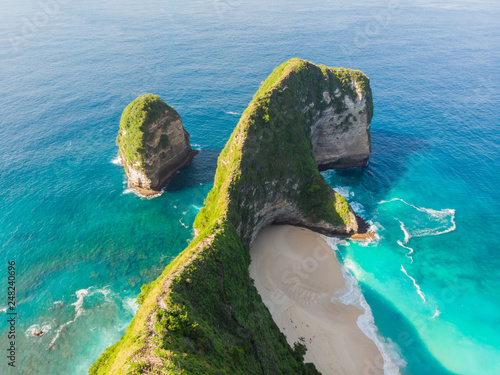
column 83, row 245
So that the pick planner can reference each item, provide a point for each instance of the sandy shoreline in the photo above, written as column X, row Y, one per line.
column 300, row 281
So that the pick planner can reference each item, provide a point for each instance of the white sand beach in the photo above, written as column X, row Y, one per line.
column 299, row 278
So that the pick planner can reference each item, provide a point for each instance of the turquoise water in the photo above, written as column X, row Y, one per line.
column 83, row 245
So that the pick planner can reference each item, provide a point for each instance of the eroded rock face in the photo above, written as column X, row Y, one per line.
column 266, row 174
column 332, row 106
column 283, row 211
column 153, row 144
column 340, row 134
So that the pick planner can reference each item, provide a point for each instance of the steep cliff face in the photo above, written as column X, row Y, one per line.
column 203, row 315
column 153, row 144
column 340, row 134
column 303, row 116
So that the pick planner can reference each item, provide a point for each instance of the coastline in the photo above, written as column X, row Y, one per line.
column 301, row 282
column 207, row 289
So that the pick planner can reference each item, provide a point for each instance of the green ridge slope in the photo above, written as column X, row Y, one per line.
column 203, row 315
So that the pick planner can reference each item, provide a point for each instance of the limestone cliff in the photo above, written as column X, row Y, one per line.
column 203, row 315
column 153, row 144
column 340, row 133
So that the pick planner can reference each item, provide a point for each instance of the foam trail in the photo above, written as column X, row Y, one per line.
column 437, row 214
column 392, row 360
column 403, row 228
column 81, row 294
column 442, row 213
column 419, row 291
column 408, row 254
column 232, row 113
column 405, row 241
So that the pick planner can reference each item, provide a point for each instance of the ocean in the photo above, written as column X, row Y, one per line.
column 83, row 244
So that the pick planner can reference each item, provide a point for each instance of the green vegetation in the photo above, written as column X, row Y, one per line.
column 134, row 127
column 299, row 349
column 213, row 320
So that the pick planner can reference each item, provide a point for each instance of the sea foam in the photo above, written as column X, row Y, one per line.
column 79, row 310
column 345, row 191
column 45, row 327
column 366, row 322
column 135, row 192
column 405, row 241
column 117, row 161
column 419, row 291
column 445, row 219
column 196, row 146
column 130, row 304
column 184, row 225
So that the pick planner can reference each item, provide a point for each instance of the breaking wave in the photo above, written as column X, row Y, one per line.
column 388, row 349
column 345, row 191
column 45, row 327
column 79, row 310
column 117, row 161
column 135, row 192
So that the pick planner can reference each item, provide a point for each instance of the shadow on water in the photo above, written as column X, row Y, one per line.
column 200, row 171
column 400, row 330
column 387, row 164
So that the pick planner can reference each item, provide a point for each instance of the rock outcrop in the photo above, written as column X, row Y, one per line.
column 303, row 113
column 153, row 144
column 203, row 315
column 340, row 134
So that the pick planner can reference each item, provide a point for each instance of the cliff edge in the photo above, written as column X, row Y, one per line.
column 153, row 144
column 203, row 315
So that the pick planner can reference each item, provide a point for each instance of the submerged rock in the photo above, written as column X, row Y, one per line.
column 153, row 144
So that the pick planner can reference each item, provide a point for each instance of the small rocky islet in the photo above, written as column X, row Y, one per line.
column 152, row 144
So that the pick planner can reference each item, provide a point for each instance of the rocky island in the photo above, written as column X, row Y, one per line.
column 203, row 314
column 153, row 144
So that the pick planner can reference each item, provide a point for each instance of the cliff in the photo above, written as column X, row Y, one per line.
column 203, row 315
column 153, row 144
column 340, row 133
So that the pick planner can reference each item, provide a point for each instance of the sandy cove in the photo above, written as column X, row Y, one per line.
column 300, row 280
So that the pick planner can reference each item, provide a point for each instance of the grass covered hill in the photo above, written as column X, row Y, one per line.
column 203, row 314
column 135, row 124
